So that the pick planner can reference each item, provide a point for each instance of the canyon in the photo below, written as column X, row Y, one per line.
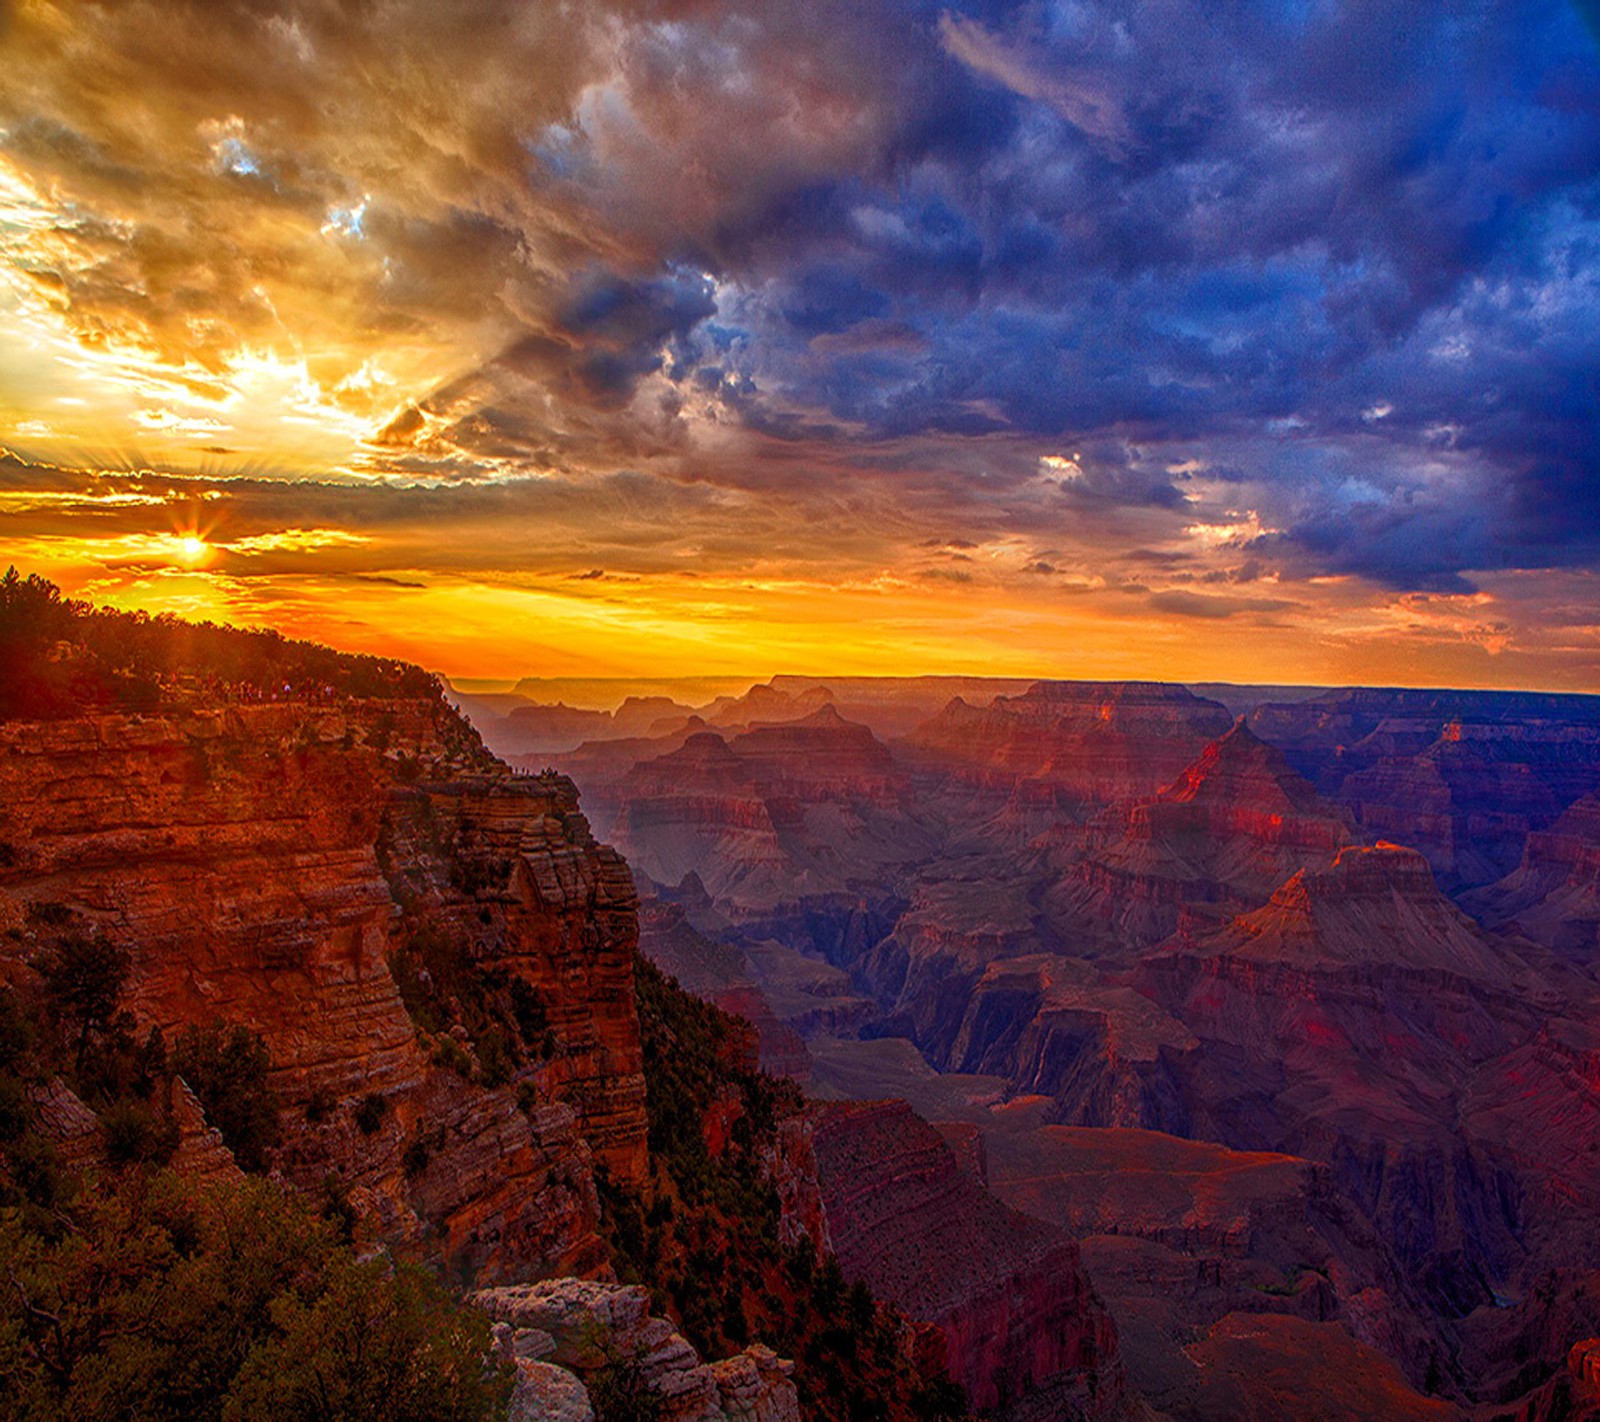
column 1276, row 1002
column 1100, row 1051
column 269, row 925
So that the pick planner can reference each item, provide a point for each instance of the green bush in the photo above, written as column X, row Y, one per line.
column 374, row 1343
column 705, row 1237
column 370, row 1113
column 227, row 1069
column 137, row 1135
column 158, row 1298
column 618, row 1393
column 444, row 986
column 451, row 1054
column 84, row 975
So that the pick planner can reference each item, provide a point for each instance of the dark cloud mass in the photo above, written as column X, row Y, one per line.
column 1318, row 282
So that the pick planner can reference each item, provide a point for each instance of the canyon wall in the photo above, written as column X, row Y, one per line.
column 247, row 858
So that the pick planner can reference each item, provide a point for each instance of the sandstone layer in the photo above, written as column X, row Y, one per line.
column 242, row 857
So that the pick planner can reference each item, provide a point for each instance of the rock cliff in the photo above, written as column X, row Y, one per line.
column 1007, row 1295
column 1553, row 895
column 1462, row 776
column 1089, row 744
column 1219, row 839
column 239, row 854
column 777, row 813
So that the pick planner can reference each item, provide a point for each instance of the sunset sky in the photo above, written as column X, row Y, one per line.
column 1246, row 341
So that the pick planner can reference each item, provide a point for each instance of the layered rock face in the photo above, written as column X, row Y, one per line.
column 1178, row 1235
column 1553, row 895
column 1020, row 1326
column 1131, row 916
column 1442, row 1081
column 1093, row 743
column 724, row 976
column 1352, row 1006
column 1274, row 1365
column 698, row 810
column 774, row 815
column 507, row 867
column 1100, row 1052
column 235, row 854
column 1220, row 838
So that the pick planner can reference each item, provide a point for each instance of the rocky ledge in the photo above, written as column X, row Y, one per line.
column 580, row 1347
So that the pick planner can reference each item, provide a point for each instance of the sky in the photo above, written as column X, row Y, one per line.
column 1235, row 341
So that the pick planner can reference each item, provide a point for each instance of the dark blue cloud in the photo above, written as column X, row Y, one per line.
column 1330, row 248
column 1336, row 264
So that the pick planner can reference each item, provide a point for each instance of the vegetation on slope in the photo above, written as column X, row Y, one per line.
column 132, row 1292
column 705, row 1237
column 65, row 1019
column 144, row 1295
column 60, row 657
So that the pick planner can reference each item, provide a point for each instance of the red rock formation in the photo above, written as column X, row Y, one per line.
column 698, row 810
column 1355, row 1000
column 1272, row 1365
column 1056, row 1028
column 1553, row 895
column 1462, row 776
column 818, row 757
column 1372, row 907
column 234, row 853
column 1221, row 837
column 508, row 868
column 724, row 976
column 1099, row 742
column 1352, row 1009
column 1437, row 1084
column 1006, row 1292
column 778, row 813
column 1178, row 1234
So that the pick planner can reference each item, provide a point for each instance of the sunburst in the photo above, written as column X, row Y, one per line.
column 192, row 550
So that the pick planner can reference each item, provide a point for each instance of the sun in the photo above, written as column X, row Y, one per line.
column 192, row 549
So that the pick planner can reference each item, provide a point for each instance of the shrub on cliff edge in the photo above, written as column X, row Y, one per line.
column 226, row 1068
column 152, row 1297
column 707, row 1242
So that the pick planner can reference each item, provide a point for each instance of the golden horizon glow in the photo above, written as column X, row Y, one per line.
column 652, row 627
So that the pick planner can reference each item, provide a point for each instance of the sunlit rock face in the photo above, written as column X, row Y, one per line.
column 261, row 863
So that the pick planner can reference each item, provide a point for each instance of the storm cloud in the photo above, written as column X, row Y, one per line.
column 1296, row 292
